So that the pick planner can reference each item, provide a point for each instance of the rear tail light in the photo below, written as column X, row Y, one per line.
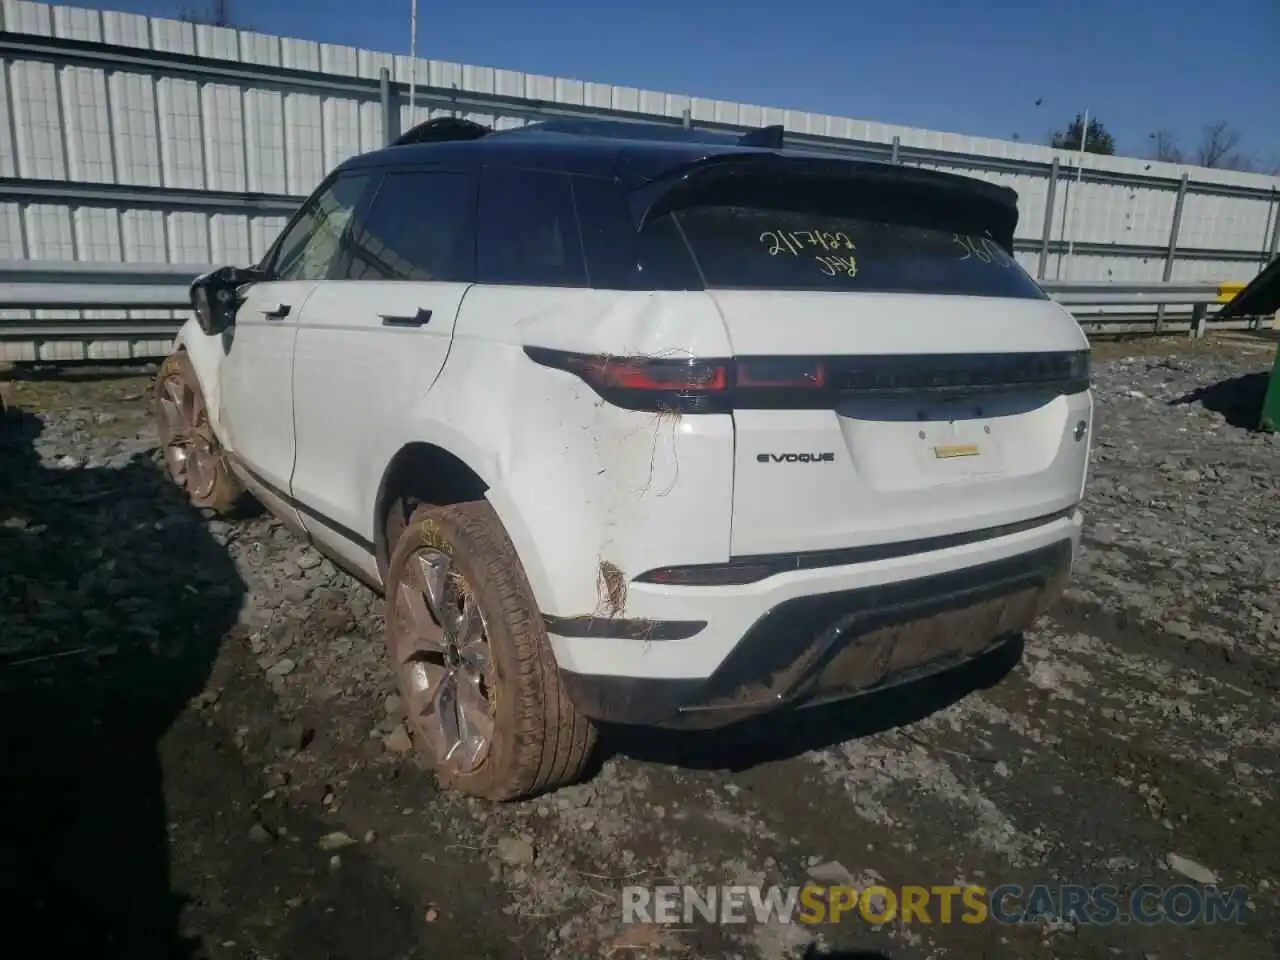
column 687, row 385
column 691, row 385
column 650, row 384
column 681, row 375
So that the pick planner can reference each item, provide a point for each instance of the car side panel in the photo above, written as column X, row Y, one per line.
column 580, row 485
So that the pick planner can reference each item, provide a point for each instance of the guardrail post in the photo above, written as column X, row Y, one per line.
column 1199, row 313
column 1275, row 234
column 1270, row 416
column 895, row 155
column 390, row 128
column 1049, row 198
column 686, row 118
column 1174, row 229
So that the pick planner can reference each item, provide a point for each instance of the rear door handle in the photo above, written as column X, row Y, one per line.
column 419, row 319
column 279, row 313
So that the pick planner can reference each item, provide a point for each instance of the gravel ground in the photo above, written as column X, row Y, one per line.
column 201, row 755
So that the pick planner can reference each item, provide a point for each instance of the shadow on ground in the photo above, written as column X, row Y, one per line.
column 1239, row 399
column 787, row 734
column 113, row 600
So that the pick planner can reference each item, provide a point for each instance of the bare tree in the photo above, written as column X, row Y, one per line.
column 1164, row 146
column 1219, row 147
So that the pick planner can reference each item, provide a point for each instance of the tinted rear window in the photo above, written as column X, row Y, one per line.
column 758, row 248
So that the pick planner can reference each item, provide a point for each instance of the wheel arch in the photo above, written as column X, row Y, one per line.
column 420, row 472
column 205, row 355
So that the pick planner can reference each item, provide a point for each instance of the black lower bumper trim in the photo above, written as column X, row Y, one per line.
column 829, row 646
column 751, row 568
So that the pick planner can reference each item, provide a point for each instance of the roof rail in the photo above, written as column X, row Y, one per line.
column 767, row 137
column 622, row 130
column 771, row 137
column 442, row 128
column 451, row 128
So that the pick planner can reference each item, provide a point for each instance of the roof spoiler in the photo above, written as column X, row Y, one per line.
column 442, row 129
column 1259, row 298
column 994, row 206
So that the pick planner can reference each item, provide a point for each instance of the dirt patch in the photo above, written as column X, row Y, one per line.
column 611, row 585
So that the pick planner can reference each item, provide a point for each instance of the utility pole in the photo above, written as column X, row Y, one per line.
column 1084, row 133
column 413, row 54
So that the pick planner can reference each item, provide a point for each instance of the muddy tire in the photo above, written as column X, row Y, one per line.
column 193, row 457
column 474, row 665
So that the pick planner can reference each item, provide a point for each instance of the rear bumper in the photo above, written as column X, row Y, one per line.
column 830, row 645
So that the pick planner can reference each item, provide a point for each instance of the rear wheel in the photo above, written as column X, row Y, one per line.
column 475, row 669
column 193, row 457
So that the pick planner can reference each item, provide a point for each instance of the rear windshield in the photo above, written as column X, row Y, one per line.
column 757, row 248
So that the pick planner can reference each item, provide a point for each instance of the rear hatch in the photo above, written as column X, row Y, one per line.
column 898, row 375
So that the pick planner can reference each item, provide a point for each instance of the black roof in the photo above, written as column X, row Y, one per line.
column 607, row 147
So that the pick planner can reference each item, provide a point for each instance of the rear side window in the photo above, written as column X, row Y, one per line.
column 752, row 246
column 528, row 230
column 420, row 226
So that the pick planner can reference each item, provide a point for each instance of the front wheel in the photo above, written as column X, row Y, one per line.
column 475, row 669
column 193, row 457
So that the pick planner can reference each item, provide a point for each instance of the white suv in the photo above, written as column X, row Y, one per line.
column 644, row 426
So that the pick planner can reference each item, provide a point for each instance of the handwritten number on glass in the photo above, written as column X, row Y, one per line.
column 838, row 266
column 795, row 241
column 835, row 263
column 983, row 249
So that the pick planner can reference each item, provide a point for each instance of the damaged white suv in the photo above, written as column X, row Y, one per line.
column 644, row 426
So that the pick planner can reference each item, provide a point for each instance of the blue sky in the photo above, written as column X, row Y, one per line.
column 966, row 66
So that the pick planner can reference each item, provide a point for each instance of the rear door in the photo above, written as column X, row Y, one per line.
column 899, row 375
column 372, row 341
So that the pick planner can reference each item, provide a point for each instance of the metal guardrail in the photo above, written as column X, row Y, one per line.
column 1120, row 293
column 390, row 96
column 118, row 289
column 47, row 284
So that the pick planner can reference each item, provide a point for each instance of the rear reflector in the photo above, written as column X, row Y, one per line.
column 711, row 575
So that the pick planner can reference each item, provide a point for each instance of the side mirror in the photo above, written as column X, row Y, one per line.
column 215, row 296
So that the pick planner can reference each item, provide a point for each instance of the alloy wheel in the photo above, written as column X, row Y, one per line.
column 440, row 646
